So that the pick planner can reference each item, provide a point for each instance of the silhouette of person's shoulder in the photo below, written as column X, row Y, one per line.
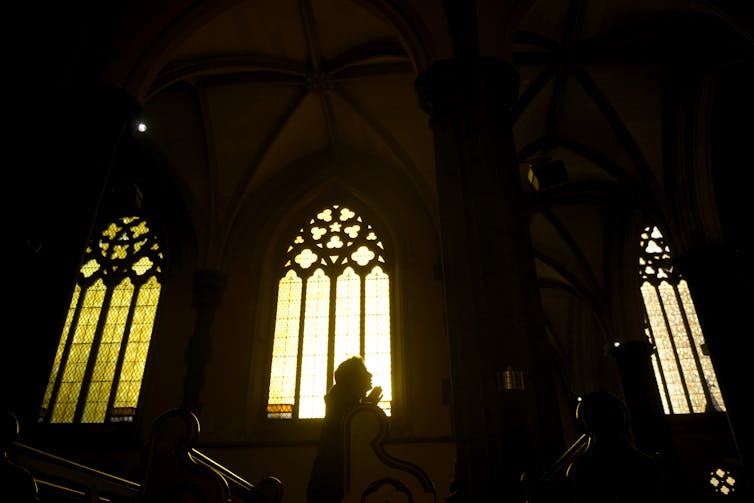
column 612, row 468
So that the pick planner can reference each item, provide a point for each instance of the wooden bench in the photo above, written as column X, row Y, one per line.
column 176, row 472
column 372, row 475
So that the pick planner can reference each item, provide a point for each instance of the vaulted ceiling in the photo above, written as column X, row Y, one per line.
column 265, row 86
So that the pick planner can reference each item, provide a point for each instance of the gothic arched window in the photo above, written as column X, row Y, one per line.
column 683, row 368
column 97, row 372
column 333, row 302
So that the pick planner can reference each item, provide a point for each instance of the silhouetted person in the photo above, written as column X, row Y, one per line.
column 352, row 381
column 612, row 469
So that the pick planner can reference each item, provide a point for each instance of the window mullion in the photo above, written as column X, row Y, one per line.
column 675, row 349
column 331, row 273
column 333, row 240
column 362, row 315
column 65, row 355
column 300, row 353
column 692, row 343
column 94, row 349
column 122, row 352
column 658, row 360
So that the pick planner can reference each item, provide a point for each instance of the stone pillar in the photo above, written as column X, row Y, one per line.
column 720, row 280
column 651, row 432
column 493, row 311
column 209, row 285
column 68, row 142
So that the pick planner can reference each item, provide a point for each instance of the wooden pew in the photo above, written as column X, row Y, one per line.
column 371, row 473
column 33, row 475
column 176, row 472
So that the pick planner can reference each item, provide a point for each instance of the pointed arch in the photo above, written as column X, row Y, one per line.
column 99, row 364
column 333, row 302
column 683, row 369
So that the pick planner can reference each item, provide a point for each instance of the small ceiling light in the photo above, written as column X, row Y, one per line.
column 616, row 344
column 141, row 126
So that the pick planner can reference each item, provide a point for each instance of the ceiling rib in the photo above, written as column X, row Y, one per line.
column 616, row 123
column 530, row 38
column 573, row 246
column 389, row 140
column 272, row 136
column 563, row 63
column 329, row 118
column 205, row 120
column 532, row 91
column 267, row 69
column 370, row 53
column 597, row 302
column 310, row 30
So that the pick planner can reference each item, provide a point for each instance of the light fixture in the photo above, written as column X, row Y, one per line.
column 510, row 379
column 544, row 172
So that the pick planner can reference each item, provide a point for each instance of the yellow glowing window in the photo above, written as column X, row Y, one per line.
column 98, row 367
column 333, row 302
column 683, row 369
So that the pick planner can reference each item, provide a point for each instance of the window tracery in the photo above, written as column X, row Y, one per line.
column 99, row 364
column 682, row 368
column 333, row 302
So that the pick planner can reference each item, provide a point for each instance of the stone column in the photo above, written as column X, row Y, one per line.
column 68, row 142
column 720, row 280
column 493, row 312
column 209, row 285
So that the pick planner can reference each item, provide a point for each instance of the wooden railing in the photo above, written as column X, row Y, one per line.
column 175, row 471
column 547, row 486
column 269, row 489
column 77, row 482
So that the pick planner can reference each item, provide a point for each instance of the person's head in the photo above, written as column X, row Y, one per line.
column 353, row 374
column 603, row 413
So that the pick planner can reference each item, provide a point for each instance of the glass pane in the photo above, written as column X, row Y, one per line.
column 344, row 248
column 377, row 333
column 684, row 351
column 698, row 337
column 122, row 251
column 73, row 374
column 61, row 348
column 665, row 353
column 137, row 347
column 347, row 316
column 314, row 361
column 285, row 348
column 699, row 384
column 107, row 354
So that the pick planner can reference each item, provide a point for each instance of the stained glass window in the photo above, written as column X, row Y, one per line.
column 333, row 302
column 683, row 368
column 98, row 367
